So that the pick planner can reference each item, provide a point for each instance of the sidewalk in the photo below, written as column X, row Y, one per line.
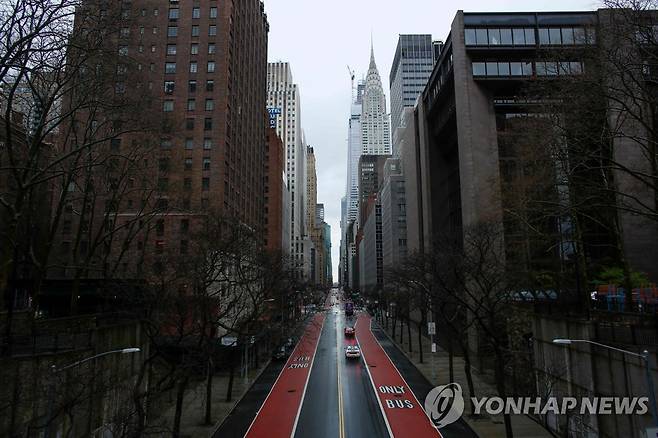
column 435, row 368
column 194, row 404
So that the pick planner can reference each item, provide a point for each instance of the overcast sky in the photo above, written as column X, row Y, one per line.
column 321, row 38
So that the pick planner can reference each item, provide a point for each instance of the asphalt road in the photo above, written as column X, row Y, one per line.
column 339, row 399
column 333, row 407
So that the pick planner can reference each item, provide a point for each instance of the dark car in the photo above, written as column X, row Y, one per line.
column 284, row 351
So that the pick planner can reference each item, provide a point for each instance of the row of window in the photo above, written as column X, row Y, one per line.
column 194, row 49
column 172, row 31
column 163, row 184
column 170, row 67
column 170, row 86
column 168, row 105
column 174, row 13
column 528, row 36
column 163, row 164
column 527, row 68
column 166, row 143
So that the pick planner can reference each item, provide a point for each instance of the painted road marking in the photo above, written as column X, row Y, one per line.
column 404, row 415
column 339, row 352
column 278, row 416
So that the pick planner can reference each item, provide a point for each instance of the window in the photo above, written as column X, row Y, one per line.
column 481, row 37
column 543, row 37
column 516, row 68
column 155, row 12
column 125, row 32
column 193, row 67
column 189, row 124
column 494, row 37
column 191, row 86
column 183, row 246
column 188, row 164
column 170, row 67
column 210, row 104
column 152, row 48
column 123, row 50
column 207, row 124
column 210, row 85
column 187, row 183
column 211, row 66
column 492, row 69
column 159, row 228
column 196, row 12
column 185, row 225
column 212, row 30
column 191, row 104
column 195, row 31
column 163, row 164
column 213, row 12
column 207, row 143
column 173, row 13
column 555, row 36
column 168, row 106
column 205, row 184
column 211, row 48
column 155, row 30
column 206, row 163
column 172, row 31
column 194, row 49
column 529, row 37
column 169, row 87
column 568, row 36
column 518, row 37
column 479, row 69
column 163, row 184
column 165, row 143
column 171, row 49
column 506, row 37
column 189, row 144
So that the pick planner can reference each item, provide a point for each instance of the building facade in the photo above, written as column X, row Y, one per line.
column 275, row 188
column 283, row 97
column 393, row 215
column 412, row 67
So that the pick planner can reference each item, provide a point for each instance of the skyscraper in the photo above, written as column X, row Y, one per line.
column 283, row 99
column 412, row 67
column 375, row 124
column 354, row 150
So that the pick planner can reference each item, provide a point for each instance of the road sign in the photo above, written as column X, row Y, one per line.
column 652, row 432
column 433, row 347
column 431, row 328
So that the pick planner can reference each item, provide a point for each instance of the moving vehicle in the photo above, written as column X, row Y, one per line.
column 349, row 331
column 349, row 308
column 352, row 352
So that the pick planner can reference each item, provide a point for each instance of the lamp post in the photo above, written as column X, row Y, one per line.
column 54, row 370
column 644, row 356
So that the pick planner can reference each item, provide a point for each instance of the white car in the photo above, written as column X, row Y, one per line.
column 352, row 351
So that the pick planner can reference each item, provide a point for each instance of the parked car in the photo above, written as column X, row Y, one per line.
column 284, row 351
column 349, row 331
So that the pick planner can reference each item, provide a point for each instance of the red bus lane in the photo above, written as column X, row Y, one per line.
column 404, row 414
column 278, row 415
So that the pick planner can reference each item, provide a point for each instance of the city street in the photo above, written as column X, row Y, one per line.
column 321, row 393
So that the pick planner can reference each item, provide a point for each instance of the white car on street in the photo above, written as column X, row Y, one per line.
column 352, row 352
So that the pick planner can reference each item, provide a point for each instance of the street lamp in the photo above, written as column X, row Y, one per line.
column 644, row 356
column 54, row 370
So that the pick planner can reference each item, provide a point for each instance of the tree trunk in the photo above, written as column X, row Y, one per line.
column 209, row 376
column 421, row 324
column 231, row 376
column 502, row 393
column 180, row 395
column 468, row 370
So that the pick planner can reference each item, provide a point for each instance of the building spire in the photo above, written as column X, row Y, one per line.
column 372, row 53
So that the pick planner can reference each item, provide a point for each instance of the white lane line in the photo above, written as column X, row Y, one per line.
column 374, row 388
column 405, row 382
column 301, row 402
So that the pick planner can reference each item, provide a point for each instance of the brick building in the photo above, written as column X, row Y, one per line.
column 274, row 193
